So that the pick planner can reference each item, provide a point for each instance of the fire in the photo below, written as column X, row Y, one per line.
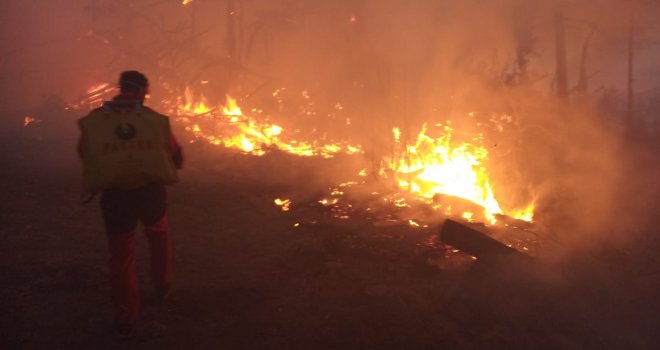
column 97, row 93
column 191, row 106
column 231, row 108
column 427, row 168
column 248, row 134
column 439, row 166
column 283, row 203
column 93, row 97
column 526, row 214
column 27, row 120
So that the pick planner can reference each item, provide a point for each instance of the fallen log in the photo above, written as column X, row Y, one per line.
column 474, row 242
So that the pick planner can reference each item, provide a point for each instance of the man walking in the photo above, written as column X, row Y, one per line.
column 129, row 154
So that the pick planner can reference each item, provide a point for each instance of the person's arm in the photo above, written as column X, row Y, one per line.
column 177, row 152
column 79, row 146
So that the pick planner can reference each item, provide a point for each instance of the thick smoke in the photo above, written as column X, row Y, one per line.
column 387, row 64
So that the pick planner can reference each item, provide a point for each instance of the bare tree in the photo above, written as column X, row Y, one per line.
column 561, row 71
column 630, row 109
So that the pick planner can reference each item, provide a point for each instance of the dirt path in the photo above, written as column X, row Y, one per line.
column 246, row 278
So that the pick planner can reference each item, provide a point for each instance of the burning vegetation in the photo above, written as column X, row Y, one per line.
column 431, row 172
column 439, row 130
column 447, row 111
column 465, row 137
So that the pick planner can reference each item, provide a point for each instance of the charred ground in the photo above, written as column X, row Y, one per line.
column 246, row 278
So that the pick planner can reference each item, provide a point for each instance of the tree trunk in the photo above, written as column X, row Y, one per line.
column 474, row 242
column 630, row 110
column 583, row 80
column 561, row 73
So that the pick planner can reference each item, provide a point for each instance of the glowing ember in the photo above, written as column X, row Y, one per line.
column 328, row 202
column 283, row 203
column 27, row 120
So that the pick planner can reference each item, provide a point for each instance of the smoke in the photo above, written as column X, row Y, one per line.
column 488, row 67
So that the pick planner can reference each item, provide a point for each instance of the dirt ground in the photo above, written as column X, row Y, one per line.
column 246, row 278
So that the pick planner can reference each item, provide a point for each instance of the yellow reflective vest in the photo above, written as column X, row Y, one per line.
column 125, row 149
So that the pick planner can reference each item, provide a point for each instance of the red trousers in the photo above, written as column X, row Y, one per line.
column 123, row 275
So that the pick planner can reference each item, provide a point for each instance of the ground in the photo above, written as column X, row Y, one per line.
column 246, row 278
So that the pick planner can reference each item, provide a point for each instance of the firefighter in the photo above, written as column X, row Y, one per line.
column 129, row 154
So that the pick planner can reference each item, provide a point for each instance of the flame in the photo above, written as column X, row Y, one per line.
column 247, row 133
column 526, row 214
column 425, row 167
column 435, row 166
column 190, row 106
column 93, row 97
column 27, row 120
column 231, row 108
column 186, row 2
column 283, row 203
column 430, row 166
column 328, row 202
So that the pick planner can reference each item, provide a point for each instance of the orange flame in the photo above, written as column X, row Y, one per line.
column 425, row 168
column 27, row 120
column 526, row 214
column 283, row 203
column 193, row 107
column 438, row 166
column 249, row 135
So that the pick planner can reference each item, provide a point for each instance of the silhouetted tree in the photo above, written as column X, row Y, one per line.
column 561, row 71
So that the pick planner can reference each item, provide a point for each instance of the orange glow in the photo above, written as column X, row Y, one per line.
column 283, row 203
column 231, row 108
column 93, row 97
column 526, row 214
column 435, row 166
column 247, row 133
column 97, row 88
column 424, row 167
column 192, row 106
column 27, row 120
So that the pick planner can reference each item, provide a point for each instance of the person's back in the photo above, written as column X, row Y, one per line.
column 129, row 154
column 125, row 146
